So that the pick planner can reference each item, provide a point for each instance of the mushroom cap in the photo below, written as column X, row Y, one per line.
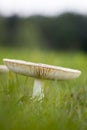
column 3, row 69
column 39, row 70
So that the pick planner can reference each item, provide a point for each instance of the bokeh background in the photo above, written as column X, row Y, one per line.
column 51, row 25
column 44, row 31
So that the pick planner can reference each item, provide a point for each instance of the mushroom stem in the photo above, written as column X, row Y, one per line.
column 38, row 89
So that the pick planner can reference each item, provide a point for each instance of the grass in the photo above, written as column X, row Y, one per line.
column 64, row 106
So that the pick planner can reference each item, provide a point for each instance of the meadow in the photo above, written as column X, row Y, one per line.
column 65, row 104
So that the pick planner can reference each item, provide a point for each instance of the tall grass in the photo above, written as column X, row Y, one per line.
column 64, row 106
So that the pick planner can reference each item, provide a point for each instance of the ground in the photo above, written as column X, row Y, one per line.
column 65, row 104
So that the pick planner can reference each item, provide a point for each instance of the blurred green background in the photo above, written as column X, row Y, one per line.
column 66, row 32
column 59, row 40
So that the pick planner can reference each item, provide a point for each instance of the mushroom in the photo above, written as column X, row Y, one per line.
column 40, row 72
column 4, row 69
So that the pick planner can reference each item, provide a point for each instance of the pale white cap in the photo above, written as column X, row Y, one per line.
column 42, row 71
column 3, row 69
